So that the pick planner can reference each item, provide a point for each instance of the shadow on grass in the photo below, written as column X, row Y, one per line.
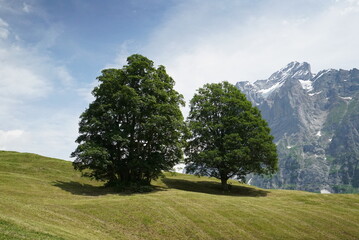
column 213, row 188
column 77, row 188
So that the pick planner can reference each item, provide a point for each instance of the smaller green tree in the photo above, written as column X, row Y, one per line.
column 229, row 138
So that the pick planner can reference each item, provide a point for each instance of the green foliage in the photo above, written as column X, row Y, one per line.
column 134, row 128
column 229, row 137
column 353, row 106
column 345, row 188
column 289, row 186
column 335, row 116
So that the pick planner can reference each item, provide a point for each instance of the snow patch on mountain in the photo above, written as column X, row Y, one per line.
column 304, row 113
column 324, row 191
column 346, row 98
column 179, row 168
column 316, row 93
column 307, row 85
column 322, row 73
column 266, row 92
column 262, row 89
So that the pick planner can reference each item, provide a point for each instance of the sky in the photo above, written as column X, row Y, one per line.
column 52, row 51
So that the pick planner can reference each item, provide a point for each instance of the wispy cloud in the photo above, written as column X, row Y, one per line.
column 48, row 67
column 85, row 92
column 16, row 6
column 26, row 7
column 212, row 41
column 4, row 31
column 51, row 135
column 9, row 138
column 122, row 53
column 31, row 84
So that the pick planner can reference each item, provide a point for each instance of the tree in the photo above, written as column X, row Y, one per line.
column 229, row 138
column 134, row 128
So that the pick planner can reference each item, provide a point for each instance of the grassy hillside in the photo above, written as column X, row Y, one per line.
column 43, row 198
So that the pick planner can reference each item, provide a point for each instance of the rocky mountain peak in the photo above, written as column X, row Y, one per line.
column 260, row 90
column 314, row 120
column 293, row 70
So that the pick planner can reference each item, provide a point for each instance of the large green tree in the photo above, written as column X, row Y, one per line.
column 229, row 137
column 134, row 128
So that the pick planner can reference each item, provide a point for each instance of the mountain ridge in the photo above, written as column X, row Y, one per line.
column 308, row 114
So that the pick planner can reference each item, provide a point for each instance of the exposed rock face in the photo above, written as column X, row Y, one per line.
column 315, row 122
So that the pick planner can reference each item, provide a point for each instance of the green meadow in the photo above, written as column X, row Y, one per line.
column 44, row 198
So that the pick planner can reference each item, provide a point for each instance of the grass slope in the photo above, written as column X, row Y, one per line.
column 43, row 198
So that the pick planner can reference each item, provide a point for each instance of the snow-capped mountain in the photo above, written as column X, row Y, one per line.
column 315, row 121
column 262, row 89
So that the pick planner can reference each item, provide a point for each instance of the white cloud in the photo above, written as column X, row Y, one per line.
column 202, row 42
column 20, row 82
column 34, row 89
column 3, row 23
column 199, row 42
column 26, row 7
column 9, row 138
column 17, row 7
column 121, row 58
column 4, row 31
column 27, row 72
column 65, row 77
column 86, row 92
column 23, row 74
column 51, row 135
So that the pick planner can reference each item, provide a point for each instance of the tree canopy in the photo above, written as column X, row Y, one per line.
column 134, row 128
column 229, row 137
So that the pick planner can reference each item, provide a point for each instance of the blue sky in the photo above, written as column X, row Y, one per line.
column 52, row 51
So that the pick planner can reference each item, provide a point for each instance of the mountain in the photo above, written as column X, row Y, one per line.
column 315, row 121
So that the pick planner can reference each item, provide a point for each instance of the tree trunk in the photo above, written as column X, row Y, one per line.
column 125, row 175
column 224, row 184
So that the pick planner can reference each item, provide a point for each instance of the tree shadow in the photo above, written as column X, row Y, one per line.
column 84, row 189
column 213, row 188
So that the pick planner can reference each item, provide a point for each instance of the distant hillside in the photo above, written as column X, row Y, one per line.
column 315, row 121
column 43, row 198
